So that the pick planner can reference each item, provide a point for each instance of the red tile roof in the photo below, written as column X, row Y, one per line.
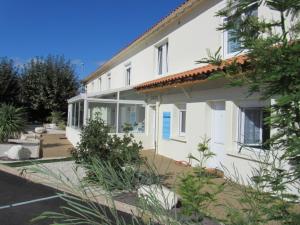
column 190, row 76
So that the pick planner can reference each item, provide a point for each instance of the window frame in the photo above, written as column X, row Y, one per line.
column 100, row 83
column 162, row 62
column 225, row 33
column 241, row 133
column 128, row 79
column 182, row 133
column 108, row 81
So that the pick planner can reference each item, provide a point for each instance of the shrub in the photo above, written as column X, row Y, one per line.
column 12, row 121
column 97, row 142
column 197, row 189
column 62, row 125
column 56, row 117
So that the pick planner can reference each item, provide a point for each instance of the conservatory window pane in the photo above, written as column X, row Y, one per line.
column 132, row 115
column 81, row 112
column 107, row 111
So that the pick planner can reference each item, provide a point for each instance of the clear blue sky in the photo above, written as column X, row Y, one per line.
column 84, row 31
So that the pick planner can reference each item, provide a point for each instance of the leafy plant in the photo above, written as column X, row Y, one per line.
column 198, row 189
column 272, row 70
column 85, row 205
column 12, row 121
column 56, row 117
column 97, row 142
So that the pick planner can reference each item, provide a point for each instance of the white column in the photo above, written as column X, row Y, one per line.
column 69, row 122
column 85, row 112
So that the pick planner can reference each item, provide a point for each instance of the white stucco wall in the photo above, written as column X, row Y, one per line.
column 189, row 38
column 199, row 125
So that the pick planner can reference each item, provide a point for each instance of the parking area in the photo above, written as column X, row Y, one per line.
column 21, row 201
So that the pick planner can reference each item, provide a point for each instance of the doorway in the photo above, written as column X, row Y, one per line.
column 218, row 134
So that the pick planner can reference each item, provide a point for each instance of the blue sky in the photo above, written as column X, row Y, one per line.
column 84, row 31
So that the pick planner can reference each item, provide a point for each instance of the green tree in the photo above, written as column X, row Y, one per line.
column 47, row 83
column 9, row 82
column 272, row 68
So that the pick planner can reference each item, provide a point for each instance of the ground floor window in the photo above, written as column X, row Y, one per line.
column 133, row 115
column 253, row 132
column 182, row 122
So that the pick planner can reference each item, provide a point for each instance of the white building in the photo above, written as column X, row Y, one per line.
column 155, row 85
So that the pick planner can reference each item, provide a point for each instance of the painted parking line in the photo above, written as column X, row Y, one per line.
column 29, row 202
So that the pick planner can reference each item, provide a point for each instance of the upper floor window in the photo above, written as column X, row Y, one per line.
column 108, row 81
column 162, row 58
column 128, row 76
column 100, row 84
column 93, row 86
column 253, row 132
column 232, row 43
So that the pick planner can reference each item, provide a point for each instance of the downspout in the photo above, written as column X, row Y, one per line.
column 158, row 102
column 117, row 113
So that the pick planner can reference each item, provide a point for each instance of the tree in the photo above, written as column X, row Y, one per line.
column 272, row 50
column 47, row 83
column 9, row 82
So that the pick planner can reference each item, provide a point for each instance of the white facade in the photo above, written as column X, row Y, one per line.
column 210, row 109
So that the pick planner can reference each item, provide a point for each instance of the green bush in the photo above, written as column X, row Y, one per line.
column 197, row 189
column 97, row 142
column 12, row 121
column 56, row 117
column 62, row 125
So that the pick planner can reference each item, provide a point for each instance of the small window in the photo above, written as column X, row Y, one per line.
column 182, row 122
column 93, row 86
column 100, row 84
column 128, row 76
column 162, row 58
column 108, row 81
column 251, row 126
column 232, row 44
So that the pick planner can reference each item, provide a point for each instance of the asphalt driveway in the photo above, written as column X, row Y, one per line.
column 21, row 200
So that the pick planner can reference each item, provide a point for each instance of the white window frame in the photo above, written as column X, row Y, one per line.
column 182, row 133
column 225, row 43
column 241, row 136
column 226, row 54
column 162, row 62
column 109, row 81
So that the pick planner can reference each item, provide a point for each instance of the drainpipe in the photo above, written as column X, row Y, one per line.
column 157, row 122
column 117, row 113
